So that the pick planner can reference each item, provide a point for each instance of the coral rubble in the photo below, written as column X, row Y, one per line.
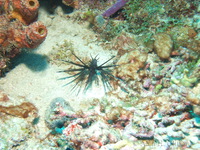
column 16, row 121
column 19, row 28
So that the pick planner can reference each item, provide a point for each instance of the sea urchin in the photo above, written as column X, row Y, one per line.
column 88, row 74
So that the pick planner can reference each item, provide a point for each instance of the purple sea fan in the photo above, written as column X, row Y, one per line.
column 113, row 9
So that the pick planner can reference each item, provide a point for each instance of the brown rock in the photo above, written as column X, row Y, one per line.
column 21, row 110
column 191, row 33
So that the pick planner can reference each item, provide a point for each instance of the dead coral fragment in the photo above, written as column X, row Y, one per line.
column 23, row 110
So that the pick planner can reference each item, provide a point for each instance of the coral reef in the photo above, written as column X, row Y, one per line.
column 92, row 127
column 58, row 121
column 17, row 29
column 158, row 60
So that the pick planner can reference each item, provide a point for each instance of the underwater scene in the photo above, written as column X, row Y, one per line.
column 99, row 74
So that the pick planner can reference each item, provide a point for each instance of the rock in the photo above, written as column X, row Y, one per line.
column 163, row 45
column 53, row 120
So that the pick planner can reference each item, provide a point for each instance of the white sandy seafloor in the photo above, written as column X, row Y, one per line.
column 36, row 81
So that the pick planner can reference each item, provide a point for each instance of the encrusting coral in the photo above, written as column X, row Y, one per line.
column 18, row 29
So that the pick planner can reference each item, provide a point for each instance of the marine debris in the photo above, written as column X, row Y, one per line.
column 19, row 29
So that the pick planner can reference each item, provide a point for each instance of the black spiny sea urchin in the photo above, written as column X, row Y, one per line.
column 88, row 73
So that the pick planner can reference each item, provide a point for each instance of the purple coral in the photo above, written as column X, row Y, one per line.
column 113, row 9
